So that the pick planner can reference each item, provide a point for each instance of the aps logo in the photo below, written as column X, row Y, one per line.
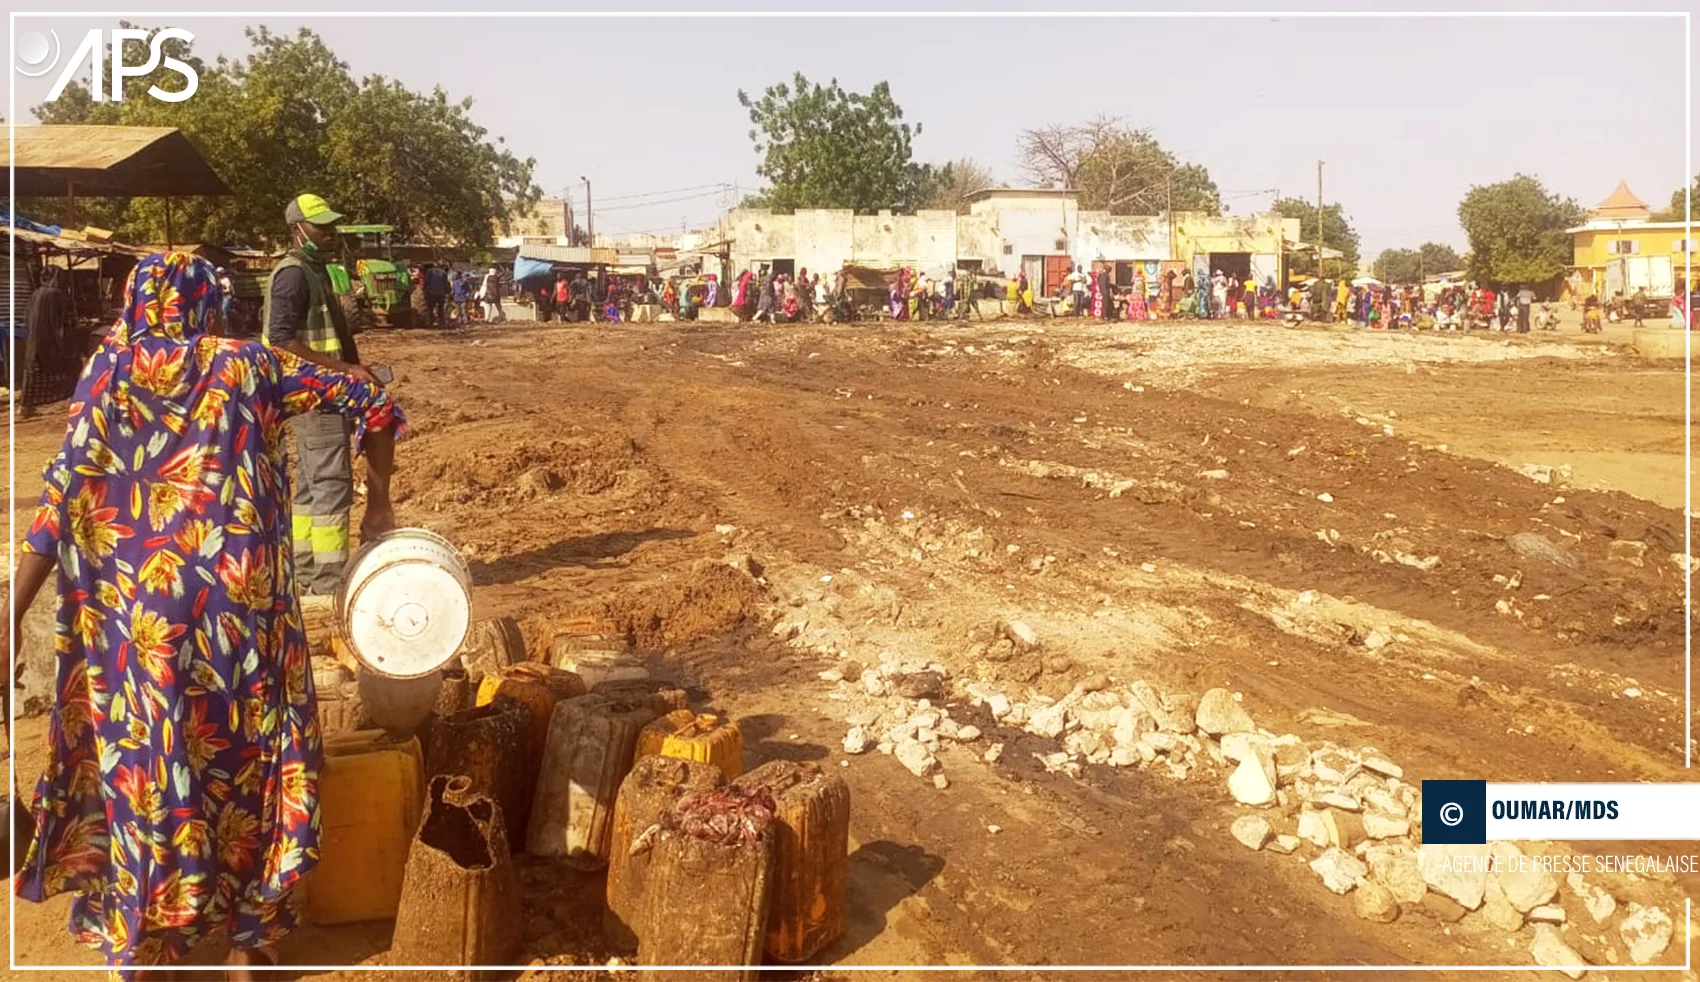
column 38, row 54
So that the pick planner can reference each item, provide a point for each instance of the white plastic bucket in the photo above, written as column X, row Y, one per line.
column 405, row 604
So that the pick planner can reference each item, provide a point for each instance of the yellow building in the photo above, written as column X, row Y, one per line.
column 1655, row 254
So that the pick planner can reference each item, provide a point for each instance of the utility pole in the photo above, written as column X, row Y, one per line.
column 1169, row 209
column 1319, row 219
column 590, row 215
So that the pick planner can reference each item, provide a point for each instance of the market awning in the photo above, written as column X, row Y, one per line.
column 55, row 161
column 1327, row 253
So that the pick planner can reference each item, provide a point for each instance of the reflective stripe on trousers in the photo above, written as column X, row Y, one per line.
column 324, row 493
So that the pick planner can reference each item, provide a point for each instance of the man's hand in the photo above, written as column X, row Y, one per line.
column 360, row 372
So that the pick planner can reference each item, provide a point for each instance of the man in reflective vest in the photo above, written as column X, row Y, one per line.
column 302, row 316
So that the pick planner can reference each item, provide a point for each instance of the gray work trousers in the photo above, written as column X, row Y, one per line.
column 324, row 493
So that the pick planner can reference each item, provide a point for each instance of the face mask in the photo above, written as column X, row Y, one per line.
column 312, row 249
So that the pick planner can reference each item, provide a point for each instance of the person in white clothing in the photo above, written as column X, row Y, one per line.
column 490, row 295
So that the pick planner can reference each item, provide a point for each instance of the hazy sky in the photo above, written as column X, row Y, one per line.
column 1408, row 113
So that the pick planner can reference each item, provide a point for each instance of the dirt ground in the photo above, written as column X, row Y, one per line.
column 1195, row 505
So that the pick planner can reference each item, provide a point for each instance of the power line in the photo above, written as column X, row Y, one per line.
column 660, row 201
column 649, row 194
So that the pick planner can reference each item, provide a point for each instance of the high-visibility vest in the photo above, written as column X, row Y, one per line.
column 319, row 333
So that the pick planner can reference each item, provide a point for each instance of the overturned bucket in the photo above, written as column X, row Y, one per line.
column 405, row 604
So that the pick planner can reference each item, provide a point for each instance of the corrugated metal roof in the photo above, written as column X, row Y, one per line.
column 80, row 246
column 570, row 254
column 109, row 161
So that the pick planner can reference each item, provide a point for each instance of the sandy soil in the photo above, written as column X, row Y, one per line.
column 1155, row 501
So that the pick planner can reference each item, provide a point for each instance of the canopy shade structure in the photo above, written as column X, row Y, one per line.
column 54, row 161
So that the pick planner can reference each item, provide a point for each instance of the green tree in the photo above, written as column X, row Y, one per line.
column 1115, row 168
column 1337, row 234
column 824, row 147
column 1679, row 209
column 1439, row 258
column 957, row 180
column 1411, row 265
column 290, row 118
column 1397, row 266
column 1517, row 231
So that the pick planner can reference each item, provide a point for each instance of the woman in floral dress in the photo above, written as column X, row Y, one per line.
column 181, row 792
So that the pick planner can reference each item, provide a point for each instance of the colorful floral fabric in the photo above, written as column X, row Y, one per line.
column 181, row 794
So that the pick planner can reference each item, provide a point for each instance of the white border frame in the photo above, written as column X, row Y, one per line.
column 1688, row 435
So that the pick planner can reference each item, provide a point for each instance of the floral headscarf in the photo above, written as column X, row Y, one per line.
column 171, row 296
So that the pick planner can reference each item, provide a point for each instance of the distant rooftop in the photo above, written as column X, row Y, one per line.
column 985, row 193
column 1622, row 203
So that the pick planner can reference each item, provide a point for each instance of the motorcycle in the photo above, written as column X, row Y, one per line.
column 1547, row 319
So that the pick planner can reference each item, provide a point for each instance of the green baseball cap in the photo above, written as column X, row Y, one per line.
column 312, row 209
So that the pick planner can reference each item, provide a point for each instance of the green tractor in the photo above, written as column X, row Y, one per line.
column 379, row 293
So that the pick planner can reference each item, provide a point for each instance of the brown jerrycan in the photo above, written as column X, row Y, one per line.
column 538, row 688
column 488, row 746
column 811, row 856
column 706, row 890
column 591, row 742
column 654, row 785
column 695, row 736
column 460, row 904
column 664, row 697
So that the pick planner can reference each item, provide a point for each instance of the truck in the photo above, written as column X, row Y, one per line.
column 1625, row 275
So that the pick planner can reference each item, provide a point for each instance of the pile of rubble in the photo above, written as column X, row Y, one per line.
column 1347, row 813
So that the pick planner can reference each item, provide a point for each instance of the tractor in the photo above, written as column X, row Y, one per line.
column 379, row 293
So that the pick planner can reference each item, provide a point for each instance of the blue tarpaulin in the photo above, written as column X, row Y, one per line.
column 525, row 269
column 6, row 219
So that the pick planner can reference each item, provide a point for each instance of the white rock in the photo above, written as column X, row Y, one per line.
column 1153, row 703
column 1374, row 902
column 1253, row 781
column 1124, row 757
column 994, row 829
column 1239, row 746
column 885, row 746
column 1021, row 635
column 1161, row 742
column 1339, row 869
column 967, row 734
column 1396, row 866
column 1219, row 713
column 1284, row 844
column 1381, row 826
column 1549, row 949
column 1466, row 879
column 1132, row 725
column 1547, row 914
column 1331, row 766
column 940, row 781
column 832, row 675
column 916, row 757
column 856, row 741
column 993, row 752
column 1600, row 904
column 1251, row 831
column 1526, row 885
column 1646, row 932
column 1312, row 829
column 1325, row 498
column 1215, row 475
column 998, row 705
column 873, row 684
column 1336, row 799
column 1049, row 721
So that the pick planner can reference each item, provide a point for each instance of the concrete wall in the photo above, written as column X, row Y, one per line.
column 934, row 241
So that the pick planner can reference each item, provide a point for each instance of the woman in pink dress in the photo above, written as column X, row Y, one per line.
column 1136, row 308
